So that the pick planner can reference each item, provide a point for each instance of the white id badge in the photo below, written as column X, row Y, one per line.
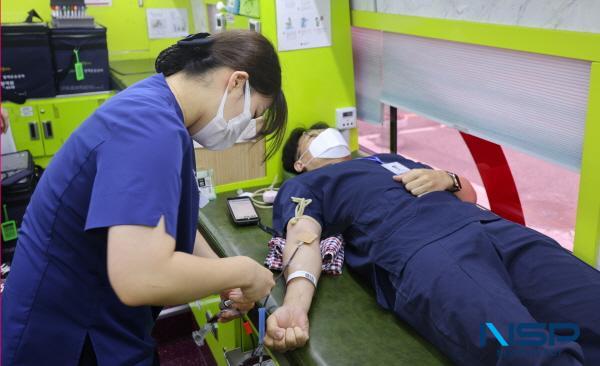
column 201, row 193
column 203, row 198
column 395, row 167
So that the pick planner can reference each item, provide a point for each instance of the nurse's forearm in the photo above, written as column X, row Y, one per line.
column 202, row 248
column 186, row 278
column 300, row 291
column 145, row 269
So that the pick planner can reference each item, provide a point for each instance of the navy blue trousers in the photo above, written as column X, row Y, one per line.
column 507, row 275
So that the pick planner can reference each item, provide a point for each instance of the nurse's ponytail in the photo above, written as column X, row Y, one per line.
column 241, row 50
column 191, row 55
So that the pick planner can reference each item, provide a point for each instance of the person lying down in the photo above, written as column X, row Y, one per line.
column 482, row 289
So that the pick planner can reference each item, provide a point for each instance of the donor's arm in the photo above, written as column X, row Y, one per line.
column 287, row 327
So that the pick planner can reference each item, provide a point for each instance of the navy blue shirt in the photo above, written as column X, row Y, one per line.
column 130, row 163
column 383, row 224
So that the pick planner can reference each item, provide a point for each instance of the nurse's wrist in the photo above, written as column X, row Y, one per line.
column 247, row 267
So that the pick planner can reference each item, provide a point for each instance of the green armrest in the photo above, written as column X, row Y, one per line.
column 347, row 326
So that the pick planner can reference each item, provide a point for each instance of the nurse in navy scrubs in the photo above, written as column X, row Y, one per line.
column 110, row 233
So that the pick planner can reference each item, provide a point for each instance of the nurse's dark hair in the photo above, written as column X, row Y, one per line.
column 241, row 50
column 290, row 149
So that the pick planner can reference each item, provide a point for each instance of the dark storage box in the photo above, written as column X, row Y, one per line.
column 27, row 70
column 93, row 54
column 19, row 179
column 16, row 195
column 16, row 198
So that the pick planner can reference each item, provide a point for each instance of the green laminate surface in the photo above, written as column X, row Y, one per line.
column 128, row 67
column 125, row 73
column 347, row 325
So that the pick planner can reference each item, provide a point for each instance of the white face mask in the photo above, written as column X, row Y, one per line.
column 249, row 133
column 220, row 134
column 330, row 144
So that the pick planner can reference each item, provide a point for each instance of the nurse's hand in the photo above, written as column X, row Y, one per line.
column 237, row 308
column 287, row 328
column 423, row 181
column 259, row 282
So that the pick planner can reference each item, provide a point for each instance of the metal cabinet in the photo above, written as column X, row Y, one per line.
column 43, row 125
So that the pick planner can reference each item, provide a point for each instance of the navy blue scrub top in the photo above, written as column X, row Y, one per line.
column 130, row 163
column 382, row 223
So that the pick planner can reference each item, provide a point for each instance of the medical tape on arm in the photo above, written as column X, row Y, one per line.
column 301, row 204
column 303, row 237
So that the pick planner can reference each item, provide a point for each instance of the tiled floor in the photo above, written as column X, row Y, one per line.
column 548, row 192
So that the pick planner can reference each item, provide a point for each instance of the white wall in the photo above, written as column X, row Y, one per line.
column 574, row 15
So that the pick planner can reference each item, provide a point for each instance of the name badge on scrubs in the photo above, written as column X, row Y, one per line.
column 395, row 167
column 203, row 198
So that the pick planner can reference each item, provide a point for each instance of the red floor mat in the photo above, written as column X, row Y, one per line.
column 175, row 344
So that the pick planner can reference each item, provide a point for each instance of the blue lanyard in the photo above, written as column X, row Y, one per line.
column 373, row 158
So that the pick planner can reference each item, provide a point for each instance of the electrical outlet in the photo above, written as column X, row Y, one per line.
column 345, row 118
column 220, row 22
column 254, row 24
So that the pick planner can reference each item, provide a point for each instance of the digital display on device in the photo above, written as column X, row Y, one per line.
column 242, row 210
column 16, row 166
column 15, row 161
